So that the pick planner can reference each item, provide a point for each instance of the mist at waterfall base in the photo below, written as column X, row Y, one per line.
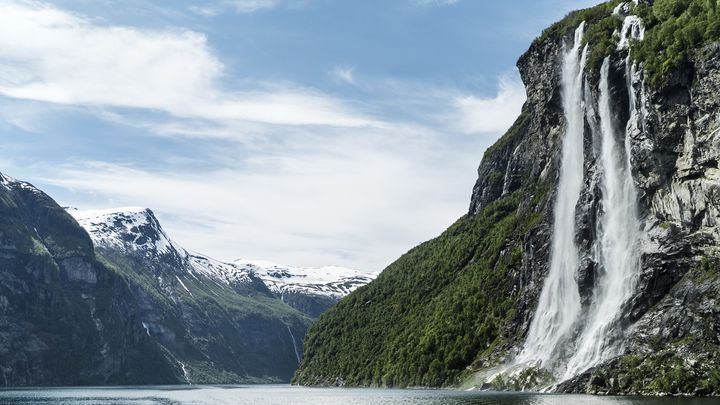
column 565, row 336
column 284, row 394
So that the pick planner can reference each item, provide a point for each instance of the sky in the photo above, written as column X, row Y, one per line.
column 303, row 132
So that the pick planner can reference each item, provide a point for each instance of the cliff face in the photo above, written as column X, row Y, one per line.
column 457, row 309
column 65, row 318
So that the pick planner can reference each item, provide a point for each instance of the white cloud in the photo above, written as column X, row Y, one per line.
column 344, row 74
column 50, row 55
column 351, row 200
column 321, row 183
column 491, row 115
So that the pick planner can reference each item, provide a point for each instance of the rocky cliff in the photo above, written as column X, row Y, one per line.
column 65, row 318
column 457, row 310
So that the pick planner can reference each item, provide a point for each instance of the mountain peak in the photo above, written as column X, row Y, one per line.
column 137, row 230
column 134, row 228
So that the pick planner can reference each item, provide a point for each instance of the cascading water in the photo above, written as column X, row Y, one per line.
column 294, row 344
column 554, row 327
column 617, row 240
column 559, row 303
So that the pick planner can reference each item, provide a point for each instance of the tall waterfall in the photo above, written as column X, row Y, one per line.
column 561, row 323
column 617, row 238
column 559, row 303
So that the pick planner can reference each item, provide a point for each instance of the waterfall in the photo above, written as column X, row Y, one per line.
column 564, row 337
column 559, row 303
column 632, row 28
column 294, row 344
column 617, row 241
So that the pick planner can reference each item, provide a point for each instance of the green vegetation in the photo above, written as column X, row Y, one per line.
column 444, row 306
column 571, row 21
column 689, row 363
column 221, row 334
column 429, row 314
column 705, row 270
column 531, row 378
column 663, row 372
column 599, row 27
column 676, row 30
column 512, row 137
column 57, row 331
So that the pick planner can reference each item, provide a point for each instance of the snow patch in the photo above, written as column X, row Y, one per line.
column 132, row 228
column 331, row 281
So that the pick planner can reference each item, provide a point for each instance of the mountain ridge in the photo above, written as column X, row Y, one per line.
column 137, row 228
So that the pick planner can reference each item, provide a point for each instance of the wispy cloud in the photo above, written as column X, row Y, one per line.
column 355, row 199
column 344, row 74
column 242, row 6
column 301, row 177
column 491, row 115
column 250, row 6
column 50, row 55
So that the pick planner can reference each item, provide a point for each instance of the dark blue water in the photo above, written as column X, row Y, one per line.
column 282, row 394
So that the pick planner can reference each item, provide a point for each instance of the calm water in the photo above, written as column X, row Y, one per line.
column 280, row 394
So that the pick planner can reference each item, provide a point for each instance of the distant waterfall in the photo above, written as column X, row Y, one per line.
column 617, row 238
column 294, row 344
column 559, row 303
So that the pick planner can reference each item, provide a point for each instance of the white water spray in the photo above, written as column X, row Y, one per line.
column 617, row 241
column 632, row 28
column 559, row 303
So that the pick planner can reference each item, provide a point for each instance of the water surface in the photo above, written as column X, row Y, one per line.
column 283, row 394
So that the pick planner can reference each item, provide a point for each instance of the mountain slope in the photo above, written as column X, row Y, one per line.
column 220, row 321
column 65, row 318
column 452, row 309
column 225, row 322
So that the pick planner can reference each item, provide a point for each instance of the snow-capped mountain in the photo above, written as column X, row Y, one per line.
column 218, row 321
column 309, row 290
column 332, row 281
column 137, row 230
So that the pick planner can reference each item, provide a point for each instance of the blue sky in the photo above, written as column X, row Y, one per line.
column 306, row 132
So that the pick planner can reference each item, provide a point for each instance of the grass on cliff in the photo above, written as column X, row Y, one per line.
column 429, row 314
column 676, row 30
column 600, row 25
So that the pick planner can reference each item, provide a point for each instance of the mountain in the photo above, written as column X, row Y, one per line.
column 588, row 259
column 65, row 317
column 122, row 304
column 309, row 290
column 224, row 322
column 136, row 231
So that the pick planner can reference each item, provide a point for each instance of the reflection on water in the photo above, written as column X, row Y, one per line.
column 281, row 394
